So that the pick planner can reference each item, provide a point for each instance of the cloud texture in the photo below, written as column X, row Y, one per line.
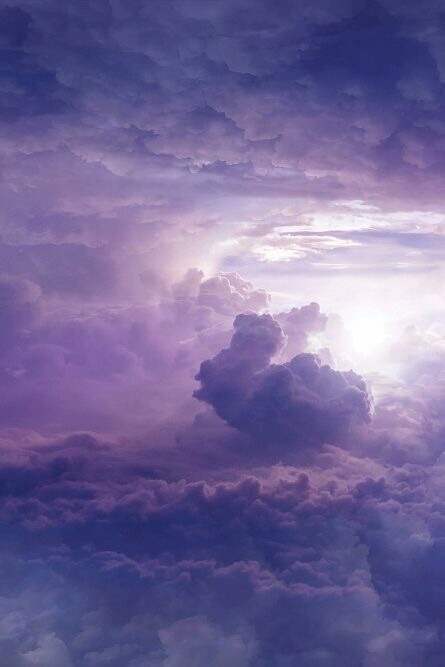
column 191, row 474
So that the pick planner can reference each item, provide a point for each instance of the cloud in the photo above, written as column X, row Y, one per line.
column 299, row 324
column 72, row 370
column 138, row 567
column 301, row 402
column 286, row 516
column 20, row 308
column 194, row 641
column 230, row 294
column 51, row 652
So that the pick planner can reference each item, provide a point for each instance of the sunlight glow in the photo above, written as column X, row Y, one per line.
column 367, row 332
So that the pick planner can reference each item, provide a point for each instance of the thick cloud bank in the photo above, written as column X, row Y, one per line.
column 142, row 552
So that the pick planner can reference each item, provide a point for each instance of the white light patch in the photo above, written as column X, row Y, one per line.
column 367, row 332
column 277, row 253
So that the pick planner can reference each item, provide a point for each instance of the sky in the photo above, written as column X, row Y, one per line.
column 222, row 333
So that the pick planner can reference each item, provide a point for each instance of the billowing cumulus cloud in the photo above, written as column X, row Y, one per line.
column 302, row 401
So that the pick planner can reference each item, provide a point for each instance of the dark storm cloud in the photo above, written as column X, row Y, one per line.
column 302, row 402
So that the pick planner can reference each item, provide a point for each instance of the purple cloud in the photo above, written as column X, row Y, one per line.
column 207, row 200
column 302, row 402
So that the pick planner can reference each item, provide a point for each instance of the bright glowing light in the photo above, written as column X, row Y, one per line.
column 367, row 332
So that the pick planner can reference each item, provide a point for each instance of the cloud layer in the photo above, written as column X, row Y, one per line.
column 197, row 200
